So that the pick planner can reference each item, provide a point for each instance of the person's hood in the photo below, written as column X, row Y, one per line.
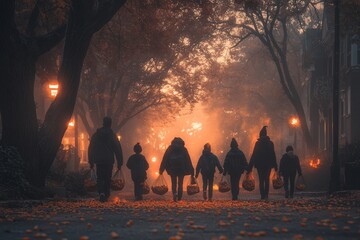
column 234, row 144
column 177, row 143
column 264, row 139
column 206, row 152
column 290, row 154
column 104, row 131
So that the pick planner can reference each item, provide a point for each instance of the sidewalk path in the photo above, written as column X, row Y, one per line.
column 121, row 218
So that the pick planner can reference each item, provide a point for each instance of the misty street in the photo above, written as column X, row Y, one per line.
column 179, row 119
column 312, row 216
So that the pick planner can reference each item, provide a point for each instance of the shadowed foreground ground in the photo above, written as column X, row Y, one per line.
column 306, row 217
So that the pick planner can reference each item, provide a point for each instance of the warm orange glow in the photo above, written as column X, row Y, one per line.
column 116, row 199
column 119, row 137
column 54, row 88
column 71, row 123
column 156, row 173
column 215, row 187
column 294, row 122
column 153, row 159
column 315, row 163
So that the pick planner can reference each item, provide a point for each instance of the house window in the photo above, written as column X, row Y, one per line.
column 355, row 50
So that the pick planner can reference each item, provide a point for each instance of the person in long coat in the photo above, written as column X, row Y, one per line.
column 235, row 164
column 138, row 165
column 102, row 148
column 177, row 163
column 264, row 159
column 206, row 165
column 289, row 165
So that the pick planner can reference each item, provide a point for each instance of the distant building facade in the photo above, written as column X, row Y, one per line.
column 318, row 59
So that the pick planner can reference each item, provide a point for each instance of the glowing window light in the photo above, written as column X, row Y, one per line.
column 71, row 123
column 54, row 88
column 294, row 122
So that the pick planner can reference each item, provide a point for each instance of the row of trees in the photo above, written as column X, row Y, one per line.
column 158, row 55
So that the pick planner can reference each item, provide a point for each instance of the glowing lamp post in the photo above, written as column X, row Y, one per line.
column 71, row 123
column 294, row 123
column 54, row 89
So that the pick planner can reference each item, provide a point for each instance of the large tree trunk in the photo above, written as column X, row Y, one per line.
column 81, row 26
column 61, row 110
column 17, row 105
column 18, row 55
column 18, row 108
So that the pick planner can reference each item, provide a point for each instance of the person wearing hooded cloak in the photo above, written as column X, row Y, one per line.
column 263, row 159
column 235, row 164
column 102, row 148
column 206, row 165
column 177, row 163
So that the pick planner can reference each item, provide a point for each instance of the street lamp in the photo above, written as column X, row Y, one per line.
column 294, row 123
column 54, row 89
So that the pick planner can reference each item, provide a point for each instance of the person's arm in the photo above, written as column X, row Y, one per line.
column 146, row 164
column 226, row 164
column 91, row 154
column 253, row 158
column 163, row 164
column 198, row 166
column 129, row 163
column 189, row 163
column 274, row 157
column 244, row 161
column 281, row 167
column 218, row 165
column 118, row 151
column 298, row 167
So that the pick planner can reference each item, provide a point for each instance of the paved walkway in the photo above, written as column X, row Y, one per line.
column 308, row 216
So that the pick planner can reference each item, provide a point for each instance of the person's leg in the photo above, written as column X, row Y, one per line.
column 286, row 185
column 233, row 182
column 173, row 186
column 237, row 188
column 180, row 189
column 205, row 182
column 261, row 182
column 267, row 182
column 211, row 183
column 292, row 184
column 108, row 176
column 100, row 181
column 138, row 190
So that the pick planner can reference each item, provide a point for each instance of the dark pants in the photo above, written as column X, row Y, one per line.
column 103, row 173
column 234, row 181
column 208, row 181
column 177, row 180
column 291, row 178
column 138, row 189
column 264, row 178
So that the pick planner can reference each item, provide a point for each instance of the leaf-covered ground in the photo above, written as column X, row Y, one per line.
column 299, row 218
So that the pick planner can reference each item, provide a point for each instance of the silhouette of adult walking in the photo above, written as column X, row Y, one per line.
column 177, row 163
column 103, row 145
column 235, row 163
column 264, row 159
